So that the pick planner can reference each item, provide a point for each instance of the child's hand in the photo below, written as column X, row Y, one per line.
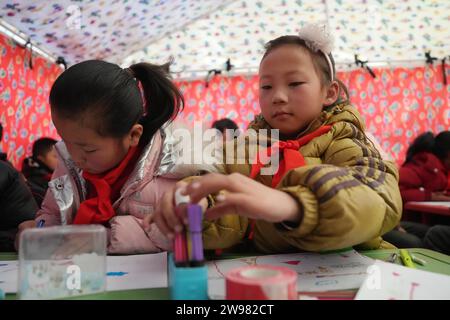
column 165, row 216
column 245, row 197
column 24, row 225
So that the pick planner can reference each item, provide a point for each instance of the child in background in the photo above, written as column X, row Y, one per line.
column 332, row 189
column 16, row 203
column 38, row 168
column 425, row 177
column 225, row 124
column 425, row 174
column 113, row 160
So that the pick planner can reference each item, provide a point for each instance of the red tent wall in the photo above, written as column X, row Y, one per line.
column 396, row 106
column 24, row 108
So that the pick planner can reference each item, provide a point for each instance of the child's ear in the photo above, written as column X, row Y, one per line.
column 135, row 134
column 332, row 94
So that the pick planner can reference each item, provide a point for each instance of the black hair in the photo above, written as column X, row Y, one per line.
column 224, row 124
column 427, row 142
column 42, row 146
column 319, row 61
column 107, row 98
column 442, row 145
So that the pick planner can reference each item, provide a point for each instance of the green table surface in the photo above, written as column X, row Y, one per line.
column 435, row 262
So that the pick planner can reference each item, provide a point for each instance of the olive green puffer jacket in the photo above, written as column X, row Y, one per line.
column 349, row 196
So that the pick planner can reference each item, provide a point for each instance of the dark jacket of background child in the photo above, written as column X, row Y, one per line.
column 16, row 205
column 38, row 175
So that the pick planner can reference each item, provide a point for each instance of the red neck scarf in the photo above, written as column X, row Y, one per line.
column 292, row 158
column 106, row 190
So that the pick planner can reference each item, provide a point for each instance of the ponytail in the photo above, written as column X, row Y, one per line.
column 107, row 98
column 162, row 99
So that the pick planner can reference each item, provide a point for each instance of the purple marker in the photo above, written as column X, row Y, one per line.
column 194, row 212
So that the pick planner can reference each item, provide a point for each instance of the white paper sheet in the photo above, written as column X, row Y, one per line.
column 387, row 281
column 136, row 272
column 316, row 272
column 9, row 276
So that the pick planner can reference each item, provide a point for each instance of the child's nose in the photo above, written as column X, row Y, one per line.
column 279, row 97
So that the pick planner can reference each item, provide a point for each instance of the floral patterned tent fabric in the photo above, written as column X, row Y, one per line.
column 376, row 30
column 203, row 34
column 396, row 106
column 106, row 29
column 24, row 109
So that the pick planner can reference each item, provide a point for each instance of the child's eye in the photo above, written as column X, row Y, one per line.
column 295, row 83
column 90, row 151
column 266, row 87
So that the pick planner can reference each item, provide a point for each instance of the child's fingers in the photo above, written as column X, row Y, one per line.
column 162, row 225
column 212, row 183
column 231, row 203
column 174, row 217
column 148, row 220
column 27, row 225
column 180, row 185
column 219, row 211
column 167, row 210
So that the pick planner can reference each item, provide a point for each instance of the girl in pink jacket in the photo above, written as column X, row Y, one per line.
column 114, row 160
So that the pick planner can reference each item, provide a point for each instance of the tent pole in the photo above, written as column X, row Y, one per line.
column 251, row 71
column 21, row 39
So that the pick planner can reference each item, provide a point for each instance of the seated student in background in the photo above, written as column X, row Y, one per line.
column 38, row 168
column 16, row 205
column 425, row 174
column 112, row 161
column 225, row 124
column 3, row 155
column 416, row 235
column 424, row 177
column 332, row 189
column 438, row 239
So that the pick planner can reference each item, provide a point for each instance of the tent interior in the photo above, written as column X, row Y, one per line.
column 392, row 56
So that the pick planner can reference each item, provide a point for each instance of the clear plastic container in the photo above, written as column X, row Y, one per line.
column 62, row 261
